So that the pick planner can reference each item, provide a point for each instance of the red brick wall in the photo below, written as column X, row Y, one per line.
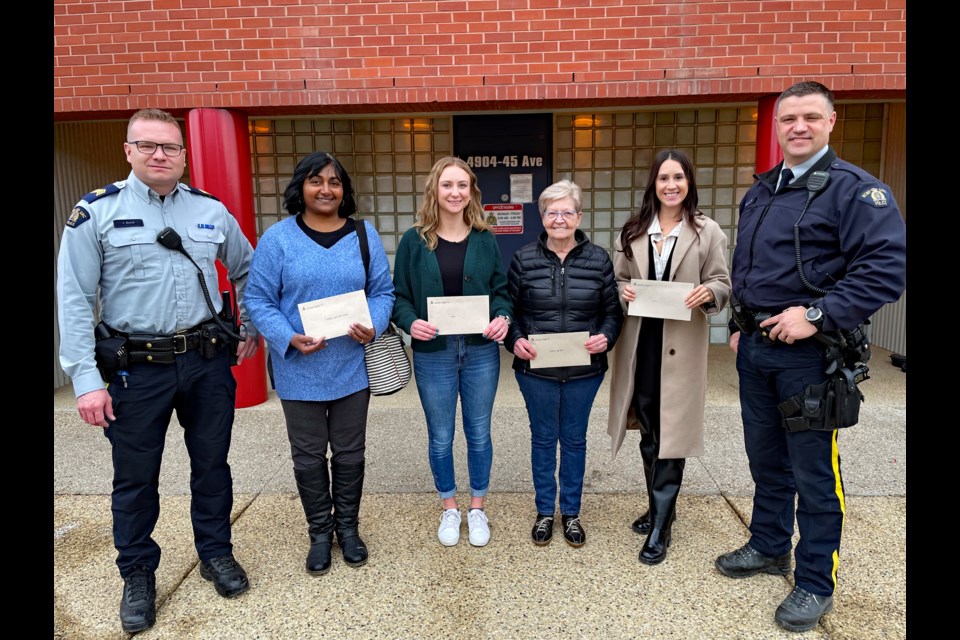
column 360, row 56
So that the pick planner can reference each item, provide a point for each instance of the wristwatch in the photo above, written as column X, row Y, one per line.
column 814, row 315
column 505, row 319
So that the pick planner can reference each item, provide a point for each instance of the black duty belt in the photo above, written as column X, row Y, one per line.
column 163, row 348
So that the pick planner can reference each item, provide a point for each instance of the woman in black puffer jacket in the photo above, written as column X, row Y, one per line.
column 561, row 284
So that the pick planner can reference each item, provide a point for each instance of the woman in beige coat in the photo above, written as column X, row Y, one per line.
column 660, row 366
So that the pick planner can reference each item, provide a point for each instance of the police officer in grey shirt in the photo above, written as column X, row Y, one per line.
column 168, row 350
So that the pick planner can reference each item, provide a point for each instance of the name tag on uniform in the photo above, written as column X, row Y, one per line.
column 202, row 225
column 131, row 222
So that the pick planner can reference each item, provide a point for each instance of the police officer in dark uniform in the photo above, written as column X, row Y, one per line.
column 163, row 345
column 797, row 298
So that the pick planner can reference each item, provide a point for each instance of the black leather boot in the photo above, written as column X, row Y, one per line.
column 667, row 477
column 347, row 491
column 648, row 454
column 314, row 487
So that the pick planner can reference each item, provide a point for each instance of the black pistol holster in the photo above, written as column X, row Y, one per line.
column 110, row 351
column 230, row 316
column 835, row 403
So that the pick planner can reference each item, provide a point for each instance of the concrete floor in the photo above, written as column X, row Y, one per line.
column 413, row 587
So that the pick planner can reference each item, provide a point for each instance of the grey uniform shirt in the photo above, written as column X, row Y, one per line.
column 109, row 254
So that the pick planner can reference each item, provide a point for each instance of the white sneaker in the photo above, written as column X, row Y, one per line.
column 479, row 528
column 449, row 531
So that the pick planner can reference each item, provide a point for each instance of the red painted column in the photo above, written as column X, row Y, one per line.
column 218, row 143
column 768, row 149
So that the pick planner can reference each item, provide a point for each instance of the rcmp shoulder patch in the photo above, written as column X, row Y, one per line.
column 876, row 197
column 78, row 216
column 108, row 190
column 199, row 192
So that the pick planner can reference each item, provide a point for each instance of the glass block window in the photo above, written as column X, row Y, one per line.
column 857, row 137
column 388, row 160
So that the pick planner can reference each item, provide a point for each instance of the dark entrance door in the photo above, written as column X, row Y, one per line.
column 512, row 156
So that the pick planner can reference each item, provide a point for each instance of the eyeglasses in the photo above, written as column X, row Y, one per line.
column 170, row 149
column 553, row 215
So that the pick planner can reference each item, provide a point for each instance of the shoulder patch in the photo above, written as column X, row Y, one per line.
column 108, row 190
column 199, row 192
column 876, row 197
column 78, row 216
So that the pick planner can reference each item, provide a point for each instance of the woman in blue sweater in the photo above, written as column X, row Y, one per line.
column 322, row 384
column 450, row 251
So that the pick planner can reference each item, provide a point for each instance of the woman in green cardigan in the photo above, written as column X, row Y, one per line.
column 450, row 251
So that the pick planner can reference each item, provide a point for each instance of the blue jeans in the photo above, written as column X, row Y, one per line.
column 472, row 373
column 803, row 465
column 558, row 412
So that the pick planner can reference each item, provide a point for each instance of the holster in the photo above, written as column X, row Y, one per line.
column 833, row 404
column 110, row 351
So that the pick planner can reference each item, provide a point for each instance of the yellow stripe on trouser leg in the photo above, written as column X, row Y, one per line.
column 835, row 462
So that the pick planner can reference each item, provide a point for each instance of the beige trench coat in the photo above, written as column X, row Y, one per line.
column 683, row 379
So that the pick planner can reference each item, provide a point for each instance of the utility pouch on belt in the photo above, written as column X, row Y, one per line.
column 110, row 351
column 833, row 404
column 212, row 339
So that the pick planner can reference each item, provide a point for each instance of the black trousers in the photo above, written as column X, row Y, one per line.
column 663, row 476
column 202, row 392
column 339, row 424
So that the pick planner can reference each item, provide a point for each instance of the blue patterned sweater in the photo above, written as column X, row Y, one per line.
column 289, row 268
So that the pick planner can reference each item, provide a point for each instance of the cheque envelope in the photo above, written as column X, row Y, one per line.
column 559, row 349
column 331, row 317
column 453, row 315
column 659, row 299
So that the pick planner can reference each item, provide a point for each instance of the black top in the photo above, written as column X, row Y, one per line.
column 450, row 257
column 327, row 239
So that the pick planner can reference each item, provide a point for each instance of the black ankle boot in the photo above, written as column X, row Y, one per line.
column 664, row 490
column 347, row 491
column 648, row 455
column 642, row 524
column 654, row 550
column 314, row 488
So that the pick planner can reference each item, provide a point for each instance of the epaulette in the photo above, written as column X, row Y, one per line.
column 199, row 192
column 108, row 190
column 79, row 215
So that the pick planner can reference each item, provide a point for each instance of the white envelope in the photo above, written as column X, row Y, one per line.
column 559, row 349
column 331, row 317
column 660, row 299
column 453, row 315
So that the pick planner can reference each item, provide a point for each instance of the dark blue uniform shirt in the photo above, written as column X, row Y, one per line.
column 852, row 243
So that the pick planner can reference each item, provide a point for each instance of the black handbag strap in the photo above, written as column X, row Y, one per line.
column 364, row 248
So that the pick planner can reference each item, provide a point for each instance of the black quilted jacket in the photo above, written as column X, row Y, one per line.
column 579, row 294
